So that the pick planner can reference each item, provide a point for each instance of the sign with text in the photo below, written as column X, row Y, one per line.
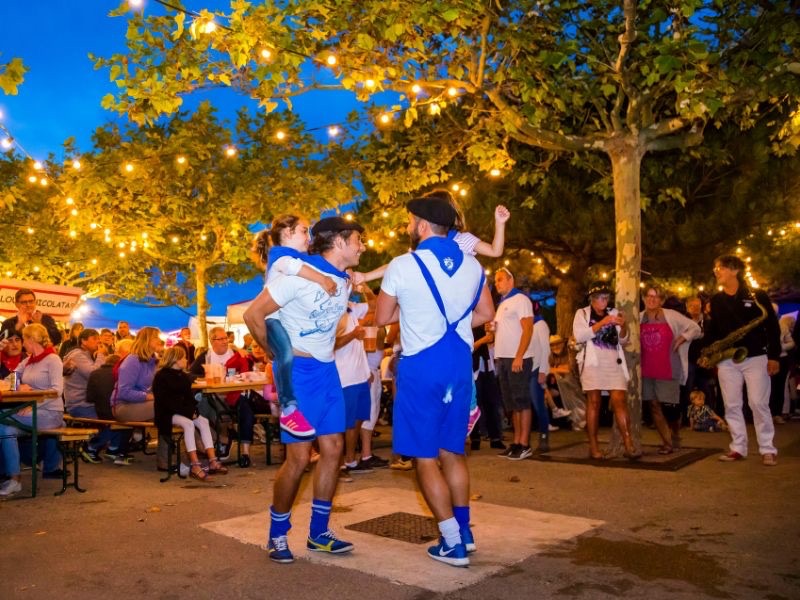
column 58, row 301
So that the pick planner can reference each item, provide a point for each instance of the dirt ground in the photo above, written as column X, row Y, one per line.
column 710, row 530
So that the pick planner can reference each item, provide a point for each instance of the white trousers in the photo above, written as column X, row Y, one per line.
column 375, row 389
column 188, row 427
column 751, row 372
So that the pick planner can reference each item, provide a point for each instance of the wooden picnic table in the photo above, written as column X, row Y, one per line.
column 10, row 403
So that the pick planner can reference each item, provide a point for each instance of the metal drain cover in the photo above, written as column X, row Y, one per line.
column 402, row 526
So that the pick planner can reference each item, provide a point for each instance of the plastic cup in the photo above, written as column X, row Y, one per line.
column 370, row 339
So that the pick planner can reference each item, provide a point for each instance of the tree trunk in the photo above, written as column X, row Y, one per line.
column 202, row 302
column 568, row 296
column 626, row 156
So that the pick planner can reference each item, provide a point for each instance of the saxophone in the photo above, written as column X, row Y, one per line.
column 724, row 349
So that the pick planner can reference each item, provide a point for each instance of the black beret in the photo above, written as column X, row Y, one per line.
column 335, row 224
column 434, row 210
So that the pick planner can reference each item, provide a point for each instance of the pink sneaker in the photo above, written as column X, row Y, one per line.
column 474, row 415
column 296, row 425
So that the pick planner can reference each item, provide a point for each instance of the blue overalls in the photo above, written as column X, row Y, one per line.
column 434, row 386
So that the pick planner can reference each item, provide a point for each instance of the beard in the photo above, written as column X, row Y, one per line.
column 415, row 237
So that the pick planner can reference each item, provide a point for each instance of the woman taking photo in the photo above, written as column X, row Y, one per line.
column 599, row 334
column 665, row 364
column 42, row 370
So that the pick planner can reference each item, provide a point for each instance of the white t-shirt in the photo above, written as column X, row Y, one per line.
column 285, row 265
column 309, row 314
column 421, row 323
column 218, row 359
column 540, row 347
column 508, row 329
column 467, row 242
column 351, row 359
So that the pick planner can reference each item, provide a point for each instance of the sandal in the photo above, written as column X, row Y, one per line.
column 214, row 466
column 198, row 473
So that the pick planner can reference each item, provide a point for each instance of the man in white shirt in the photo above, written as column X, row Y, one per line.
column 438, row 294
column 310, row 315
column 514, row 360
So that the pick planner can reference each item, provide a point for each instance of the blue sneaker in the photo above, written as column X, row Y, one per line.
column 328, row 542
column 279, row 550
column 468, row 539
column 452, row 555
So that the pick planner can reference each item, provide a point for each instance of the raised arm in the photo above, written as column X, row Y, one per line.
column 495, row 249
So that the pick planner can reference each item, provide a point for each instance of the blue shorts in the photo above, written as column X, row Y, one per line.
column 357, row 404
column 431, row 407
column 319, row 396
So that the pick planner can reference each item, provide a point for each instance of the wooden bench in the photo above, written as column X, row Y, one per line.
column 173, row 448
column 69, row 440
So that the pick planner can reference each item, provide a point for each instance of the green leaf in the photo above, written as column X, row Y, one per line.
column 450, row 15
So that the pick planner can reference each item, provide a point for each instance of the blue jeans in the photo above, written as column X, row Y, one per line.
column 45, row 419
column 537, row 395
column 106, row 437
column 282, row 358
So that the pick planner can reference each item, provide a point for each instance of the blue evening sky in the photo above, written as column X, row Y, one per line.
column 61, row 95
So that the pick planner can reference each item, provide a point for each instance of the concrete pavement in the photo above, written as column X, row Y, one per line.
column 710, row 530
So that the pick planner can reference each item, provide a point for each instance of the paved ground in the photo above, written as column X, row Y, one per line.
column 710, row 530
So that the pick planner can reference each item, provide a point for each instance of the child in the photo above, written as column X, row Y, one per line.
column 282, row 250
column 175, row 405
column 469, row 244
column 701, row 417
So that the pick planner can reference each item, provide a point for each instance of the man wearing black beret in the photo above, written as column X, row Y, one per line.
column 310, row 315
column 438, row 294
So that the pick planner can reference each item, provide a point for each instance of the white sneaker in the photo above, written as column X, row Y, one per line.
column 560, row 413
column 12, row 486
column 259, row 433
column 552, row 427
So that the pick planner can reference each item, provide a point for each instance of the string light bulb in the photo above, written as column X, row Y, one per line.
column 76, row 164
column 43, row 181
column 416, row 89
column 348, row 217
column 30, row 230
column 392, row 234
column 452, row 92
column 385, row 214
column 6, row 143
column 73, row 233
column 369, row 84
column 92, row 225
column 181, row 160
column 463, row 192
column 266, row 54
column 331, row 60
column 495, row 172
column 74, row 212
column 175, row 239
column 70, row 201
column 33, row 179
column 280, row 135
column 209, row 26
column 455, row 187
column 385, row 118
column 230, row 151
column 129, row 167
column 37, row 166
column 334, row 130
column 434, row 109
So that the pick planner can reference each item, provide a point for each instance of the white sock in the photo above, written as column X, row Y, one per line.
column 450, row 531
column 351, row 464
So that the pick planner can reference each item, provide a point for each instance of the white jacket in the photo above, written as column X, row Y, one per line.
column 587, row 355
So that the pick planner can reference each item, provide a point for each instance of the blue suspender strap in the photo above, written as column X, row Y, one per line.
column 436, row 296
column 429, row 280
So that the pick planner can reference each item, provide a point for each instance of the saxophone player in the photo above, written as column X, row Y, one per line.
column 746, row 318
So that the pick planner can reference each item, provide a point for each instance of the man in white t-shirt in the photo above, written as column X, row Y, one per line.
column 514, row 360
column 438, row 294
column 354, row 373
column 310, row 316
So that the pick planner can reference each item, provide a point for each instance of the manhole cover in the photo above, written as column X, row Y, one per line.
column 405, row 527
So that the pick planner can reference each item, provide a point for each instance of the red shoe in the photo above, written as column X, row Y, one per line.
column 731, row 457
column 296, row 425
column 474, row 415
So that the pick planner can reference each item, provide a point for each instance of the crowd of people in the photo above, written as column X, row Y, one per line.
column 463, row 366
